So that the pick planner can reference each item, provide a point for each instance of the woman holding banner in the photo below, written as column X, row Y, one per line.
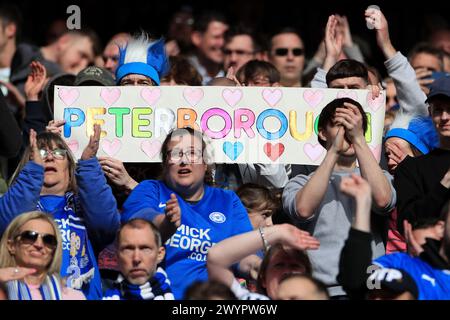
column 208, row 215
column 75, row 195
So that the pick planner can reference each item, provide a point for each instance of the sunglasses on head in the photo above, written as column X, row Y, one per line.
column 30, row 237
column 284, row 51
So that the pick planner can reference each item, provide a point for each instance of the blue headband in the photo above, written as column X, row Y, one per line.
column 137, row 68
column 407, row 135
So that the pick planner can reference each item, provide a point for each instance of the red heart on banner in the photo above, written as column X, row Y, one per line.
column 273, row 151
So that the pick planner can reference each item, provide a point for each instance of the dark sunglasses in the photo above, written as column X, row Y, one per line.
column 30, row 237
column 284, row 51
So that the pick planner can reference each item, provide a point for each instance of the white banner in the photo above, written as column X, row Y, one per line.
column 243, row 124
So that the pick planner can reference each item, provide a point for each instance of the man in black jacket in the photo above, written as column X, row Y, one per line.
column 423, row 183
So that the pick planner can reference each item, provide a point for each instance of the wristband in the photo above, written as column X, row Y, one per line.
column 264, row 240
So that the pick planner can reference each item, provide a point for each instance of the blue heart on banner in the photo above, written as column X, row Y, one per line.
column 233, row 150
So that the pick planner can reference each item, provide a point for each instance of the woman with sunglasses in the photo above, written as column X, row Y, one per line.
column 30, row 251
column 208, row 215
column 75, row 195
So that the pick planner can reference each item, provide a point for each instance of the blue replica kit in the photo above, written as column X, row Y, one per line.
column 433, row 284
column 217, row 216
column 92, row 211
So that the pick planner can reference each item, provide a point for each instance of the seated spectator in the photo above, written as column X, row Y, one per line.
column 315, row 202
column 423, row 183
column 208, row 215
column 31, row 248
column 181, row 73
column 139, row 251
column 284, row 245
column 76, row 196
column 427, row 265
column 260, row 204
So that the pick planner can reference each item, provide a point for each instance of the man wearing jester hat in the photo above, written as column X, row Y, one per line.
column 142, row 62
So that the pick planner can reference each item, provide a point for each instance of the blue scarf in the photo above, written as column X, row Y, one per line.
column 50, row 289
column 157, row 288
column 76, row 264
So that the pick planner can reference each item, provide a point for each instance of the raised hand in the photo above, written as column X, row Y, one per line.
column 423, row 76
column 116, row 172
column 356, row 187
column 173, row 211
column 414, row 248
column 55, row 126
column 344, row 28
column 36, row 81
column 395, row 154
column 34, row 151
column 376, row 20
column 299, row 239
column 351, row 118
column 333, row 43
column 91, row 149
column 231, row 74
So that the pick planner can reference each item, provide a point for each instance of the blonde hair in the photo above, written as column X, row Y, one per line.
column 12, row 231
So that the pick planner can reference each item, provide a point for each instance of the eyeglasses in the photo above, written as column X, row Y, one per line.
column 193, row 155
column 229, row 52
column 284, row 51
column 56, row 153
column 30, row 237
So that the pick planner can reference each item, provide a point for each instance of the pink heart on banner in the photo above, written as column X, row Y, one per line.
column 193, row 95
column 313, row 151
column 110, row 95
column 73, row 145
column 111, row 147
column 151, row 95
column 347, row 94
column 232, row 97
column 272, row 97
column 151, row 149
column 313, row 97
column 68, row 96
column 376, row 151
column 376, row 103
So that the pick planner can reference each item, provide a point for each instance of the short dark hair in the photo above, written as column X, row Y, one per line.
column 425, row 47
column 284, row 30
column 183, row 72
column 207, row 290
column 327, row 114
column 201, row 22
column 10, row 13
column 242, row 30
column 347, row 68
column 255, row 68
column 423, row 222
column 138, row 224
